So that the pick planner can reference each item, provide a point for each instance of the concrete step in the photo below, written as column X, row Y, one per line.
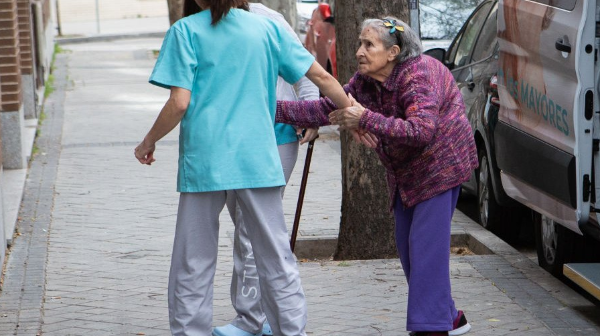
column 586, row 275
column 14, row 183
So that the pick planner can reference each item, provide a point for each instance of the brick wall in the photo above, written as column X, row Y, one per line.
column 10, row 73
column 25, row 38
column 85, row 10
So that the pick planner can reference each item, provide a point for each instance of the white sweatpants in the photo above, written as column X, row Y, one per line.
column 194, row 260
column 245, row 287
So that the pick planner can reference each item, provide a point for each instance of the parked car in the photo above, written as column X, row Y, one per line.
column 534, row 156
column 304, row 11
column 473, row 60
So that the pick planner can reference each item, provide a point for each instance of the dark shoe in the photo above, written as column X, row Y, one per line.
column 429, row 333
column 460, row 325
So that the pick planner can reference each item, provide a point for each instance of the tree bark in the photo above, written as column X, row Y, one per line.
column 286, row 7
column 175, row 10
column 367, row 225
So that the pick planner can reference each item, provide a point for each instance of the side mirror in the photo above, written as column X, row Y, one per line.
column 437, row 53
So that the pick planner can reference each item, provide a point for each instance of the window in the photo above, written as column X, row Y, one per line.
column 459, row 54
column 487, row 38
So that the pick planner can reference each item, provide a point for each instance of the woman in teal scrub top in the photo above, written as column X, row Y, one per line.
column 221, row 66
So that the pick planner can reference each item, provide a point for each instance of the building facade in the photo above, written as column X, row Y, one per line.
column 26, row 48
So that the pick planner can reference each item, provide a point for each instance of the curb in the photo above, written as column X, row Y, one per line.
column 107, row 38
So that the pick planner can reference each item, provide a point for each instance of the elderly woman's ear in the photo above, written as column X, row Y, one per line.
column 393, row 53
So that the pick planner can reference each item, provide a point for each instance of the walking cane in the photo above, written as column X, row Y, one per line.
column 309, row 151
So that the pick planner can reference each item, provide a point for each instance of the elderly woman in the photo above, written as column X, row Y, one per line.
column 410, row 103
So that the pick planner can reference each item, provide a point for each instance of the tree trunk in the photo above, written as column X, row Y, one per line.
column 367, row 226
column 175, row 10
column 286, row 7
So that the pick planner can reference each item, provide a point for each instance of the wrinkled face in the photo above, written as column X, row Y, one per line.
column 373, row 58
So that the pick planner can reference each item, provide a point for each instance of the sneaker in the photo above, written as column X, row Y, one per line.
column 231, row 330
column 460, row 325
column 267, row 329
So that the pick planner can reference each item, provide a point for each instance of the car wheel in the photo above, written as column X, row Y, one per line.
column 489, row 216
column 501, row 220
column 554, row 243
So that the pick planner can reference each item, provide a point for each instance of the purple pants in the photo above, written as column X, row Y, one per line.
column 423, row 243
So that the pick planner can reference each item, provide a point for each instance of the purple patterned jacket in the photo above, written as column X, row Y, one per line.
column 425, row 140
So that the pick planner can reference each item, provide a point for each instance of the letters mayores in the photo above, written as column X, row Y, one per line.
column 537, row 102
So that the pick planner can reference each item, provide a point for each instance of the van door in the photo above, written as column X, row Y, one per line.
column 546, row 88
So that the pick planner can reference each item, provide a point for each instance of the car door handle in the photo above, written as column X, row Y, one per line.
column 562, row 44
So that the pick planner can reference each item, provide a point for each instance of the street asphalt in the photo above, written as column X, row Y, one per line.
column 95, row 229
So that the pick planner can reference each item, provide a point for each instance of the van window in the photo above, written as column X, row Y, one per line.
column 487, row 39
column 563, row 4
column 460, row 52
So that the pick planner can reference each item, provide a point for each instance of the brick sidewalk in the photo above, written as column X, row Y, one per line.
column 104, row 239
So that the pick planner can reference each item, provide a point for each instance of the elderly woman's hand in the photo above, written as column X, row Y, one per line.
column 309, row 135
column 347, row 118
column 365, row 138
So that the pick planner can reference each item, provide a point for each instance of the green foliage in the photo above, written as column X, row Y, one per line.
column 58, row 49
column 42, row 116
column 49, row 88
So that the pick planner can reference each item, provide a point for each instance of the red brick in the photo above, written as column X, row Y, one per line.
column 10, row 78
column 11, row 106
column 8, row 51
column 9, row 69
column 11, row 97
column 25, row 43
column 12, row 87
column 8, row 24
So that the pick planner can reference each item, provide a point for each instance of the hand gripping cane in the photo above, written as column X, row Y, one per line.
column 309, row 151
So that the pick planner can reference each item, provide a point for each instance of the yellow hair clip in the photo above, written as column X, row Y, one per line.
column 392, row 25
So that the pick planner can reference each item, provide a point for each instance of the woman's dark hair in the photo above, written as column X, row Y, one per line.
column 190, row 7
column 220, row 8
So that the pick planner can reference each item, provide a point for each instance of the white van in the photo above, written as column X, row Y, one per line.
column 548, row 131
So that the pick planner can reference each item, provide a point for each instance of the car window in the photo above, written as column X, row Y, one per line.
column 487, row 38
column 464, row 43
column 453, row 49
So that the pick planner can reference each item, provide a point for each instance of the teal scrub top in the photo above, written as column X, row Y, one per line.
column 285, row 134
column 227, row 139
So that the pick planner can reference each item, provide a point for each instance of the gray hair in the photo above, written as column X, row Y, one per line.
column 408, row 41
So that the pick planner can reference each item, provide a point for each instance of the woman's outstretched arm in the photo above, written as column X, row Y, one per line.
column 328, row 85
